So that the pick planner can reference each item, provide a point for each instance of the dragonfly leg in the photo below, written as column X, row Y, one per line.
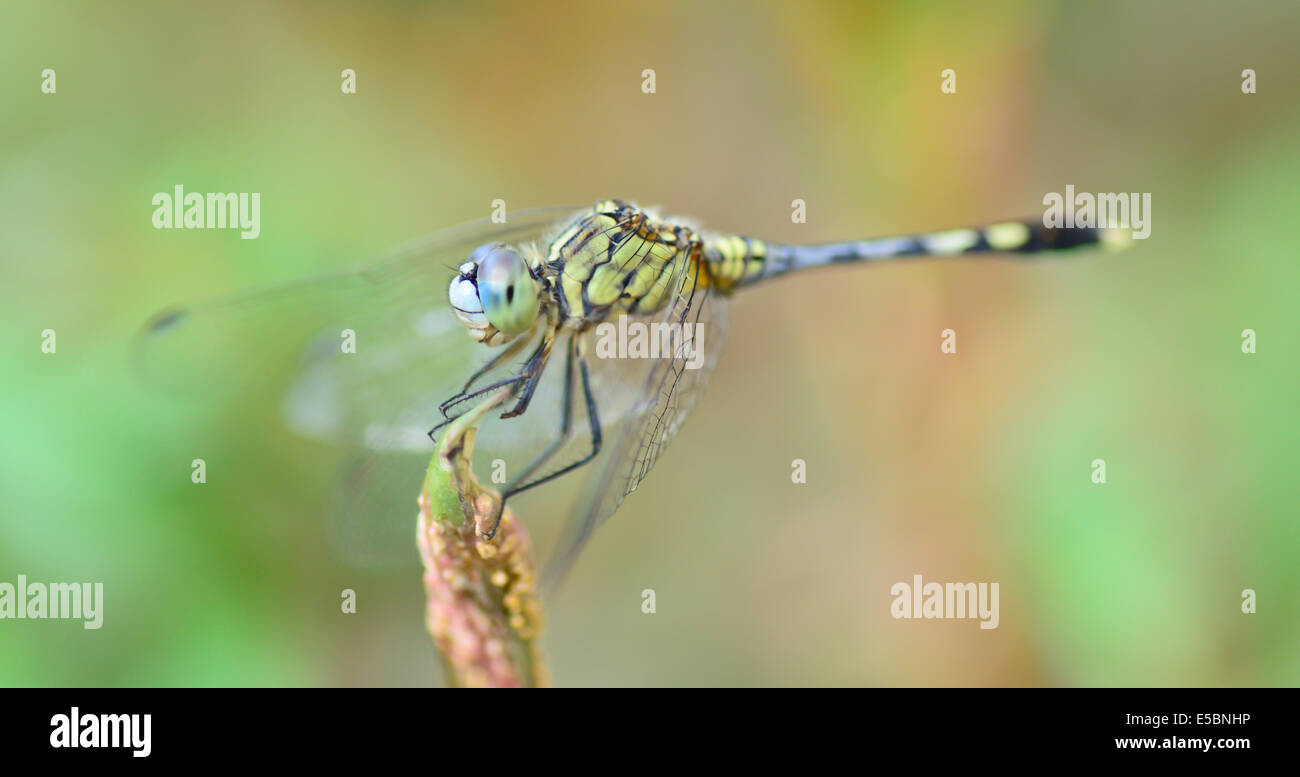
column 467, row 397
column 509, row 351
column 529, row 375
column 593, row 420
column 463, row 396
column 566, row 425
column 534, row 370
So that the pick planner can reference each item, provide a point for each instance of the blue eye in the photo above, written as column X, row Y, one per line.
column 506, row 289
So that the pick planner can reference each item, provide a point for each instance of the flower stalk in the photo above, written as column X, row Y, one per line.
column 483, row 608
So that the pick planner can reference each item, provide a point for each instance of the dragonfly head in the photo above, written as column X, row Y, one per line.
column 495, row 295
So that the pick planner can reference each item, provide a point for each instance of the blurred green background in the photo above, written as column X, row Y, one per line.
column 967, row 467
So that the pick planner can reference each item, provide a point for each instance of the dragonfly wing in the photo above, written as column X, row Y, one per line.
column 665, row 394
column 353, row 330
column 358, row 359
column 373, row 506
column 384, row 465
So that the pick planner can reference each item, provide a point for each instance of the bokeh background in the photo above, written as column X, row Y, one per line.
column 968, row 467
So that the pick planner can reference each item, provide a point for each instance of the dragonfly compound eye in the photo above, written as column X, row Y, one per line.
column 495, row 293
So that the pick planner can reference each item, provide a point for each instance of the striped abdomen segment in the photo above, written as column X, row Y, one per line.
column 735, row 261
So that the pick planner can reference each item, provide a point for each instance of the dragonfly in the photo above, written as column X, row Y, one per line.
column 535, row 306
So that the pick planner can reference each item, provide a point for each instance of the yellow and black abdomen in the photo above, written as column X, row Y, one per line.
column 737, row 261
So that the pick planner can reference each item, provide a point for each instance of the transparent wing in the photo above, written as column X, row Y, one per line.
column 661, row 397
column 343, row 334
column 358, row 359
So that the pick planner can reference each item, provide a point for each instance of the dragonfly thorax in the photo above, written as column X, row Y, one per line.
column 619, row 259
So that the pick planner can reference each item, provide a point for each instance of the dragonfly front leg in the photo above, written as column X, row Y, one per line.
column 526, row 394
column 467, row 397
column 529, row 375
column 509, row 351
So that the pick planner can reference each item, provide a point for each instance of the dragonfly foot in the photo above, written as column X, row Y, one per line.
column 433, row 433
column 496, row 521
